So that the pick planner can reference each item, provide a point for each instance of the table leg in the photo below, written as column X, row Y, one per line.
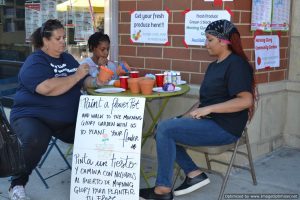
column 149, row 133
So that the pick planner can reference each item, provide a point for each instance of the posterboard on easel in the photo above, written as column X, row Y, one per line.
column 107, row 148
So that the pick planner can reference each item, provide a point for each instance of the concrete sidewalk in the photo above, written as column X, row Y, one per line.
column 277, row 173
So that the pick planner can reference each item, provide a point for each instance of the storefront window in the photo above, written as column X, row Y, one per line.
column 18, row 20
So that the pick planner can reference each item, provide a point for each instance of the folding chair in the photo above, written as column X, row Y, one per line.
column 215, row 150
column 50, row 147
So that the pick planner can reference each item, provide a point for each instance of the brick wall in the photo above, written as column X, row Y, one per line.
column 191, row 61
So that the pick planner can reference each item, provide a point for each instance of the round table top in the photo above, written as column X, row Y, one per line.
column 184, row 89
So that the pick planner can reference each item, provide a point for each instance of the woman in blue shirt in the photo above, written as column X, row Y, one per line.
column 47, row 99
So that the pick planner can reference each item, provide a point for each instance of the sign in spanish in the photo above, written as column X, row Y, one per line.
column 266, row 51
column 149, row 27
column 196, row 22
column 107, row 147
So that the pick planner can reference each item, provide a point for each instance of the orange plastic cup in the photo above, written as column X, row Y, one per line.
column 105, row 74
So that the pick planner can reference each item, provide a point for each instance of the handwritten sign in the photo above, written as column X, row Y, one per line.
column 106, row 155
column 267, row 51
column 149, row 27
column 196, row 22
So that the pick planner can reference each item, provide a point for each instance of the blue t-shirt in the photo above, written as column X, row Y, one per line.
column 37, row 68
column 222, row 82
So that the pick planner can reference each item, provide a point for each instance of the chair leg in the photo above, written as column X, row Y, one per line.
column 228, row 170
column 53, row 141
column 207, row 161
column 250, row 159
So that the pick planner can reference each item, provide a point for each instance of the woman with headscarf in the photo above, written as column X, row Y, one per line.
column 227, row 97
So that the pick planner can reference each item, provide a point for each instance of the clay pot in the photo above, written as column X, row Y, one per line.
column 146, row 85
column 105, row 74
column 133, row 84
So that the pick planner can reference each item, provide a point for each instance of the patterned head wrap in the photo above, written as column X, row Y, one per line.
column 222, row 29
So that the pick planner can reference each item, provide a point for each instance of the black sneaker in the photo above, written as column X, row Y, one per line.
column 192, row 184
column 148, row 193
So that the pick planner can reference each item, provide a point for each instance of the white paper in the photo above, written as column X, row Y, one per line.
column 196, row 22
column 149, row 27
column 281, row 15
column 267, row 51
column 261, row 15
column 32, row 19
column 107, row 148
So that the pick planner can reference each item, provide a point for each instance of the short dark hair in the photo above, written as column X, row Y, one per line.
column 96, row 38
column 45, row 31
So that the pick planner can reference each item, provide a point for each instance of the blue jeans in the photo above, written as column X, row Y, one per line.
column 35, row 135
column 189, row 131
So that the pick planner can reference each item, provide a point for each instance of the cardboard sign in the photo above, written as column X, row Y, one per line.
column 267, row 51
column 107, row 147
column 196, row 22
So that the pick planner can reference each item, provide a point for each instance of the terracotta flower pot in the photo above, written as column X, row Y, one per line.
column 146, row 85
column 105, row 74
column 133, row 84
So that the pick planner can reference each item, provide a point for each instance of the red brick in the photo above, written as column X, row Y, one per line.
column 283, row 63
column 248, row 43
column 201, row 55
column 183, row 65
column 177, row 4
column 283, row 53
column 203, row 5
column 261, row 78
column 196, row 78
column 204, row 66
column 176, row 29
column 177, row 41
column 249, row 54
column 284, row 41
column 178, row 17
column 185, row 77
column 149, row 5
column 124, row 28
column 246, row 17
column 127, row 5
column 242, row 4
column 244, row 30
column 125, row 40
column 153, row 63
column 134, row 62
column 277, row 76
column 125, row 17
column 236, row 17
column 176, row 53
column 149, row 52
column 127, row 50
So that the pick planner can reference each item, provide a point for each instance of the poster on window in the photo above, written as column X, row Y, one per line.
column 196, row 22
column 149, row 27
column 261, row 15
column 32, row 18
column 83, row 24
column 281, row 15
column 48, row 10
column 266, row 51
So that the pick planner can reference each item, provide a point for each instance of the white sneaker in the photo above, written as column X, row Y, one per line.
column 18, row 193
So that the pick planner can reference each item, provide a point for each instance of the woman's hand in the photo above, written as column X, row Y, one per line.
column 82, row 71
column 200, row 112
column 102, row 61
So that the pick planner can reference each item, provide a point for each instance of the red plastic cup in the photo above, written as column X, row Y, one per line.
column 159, row 80
column 134, row 74
column 123, row 82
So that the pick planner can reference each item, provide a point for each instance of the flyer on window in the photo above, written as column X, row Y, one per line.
column 149, row 27
column 267, row 51
column 281, row 15
column 32, row 18
column 261, row 15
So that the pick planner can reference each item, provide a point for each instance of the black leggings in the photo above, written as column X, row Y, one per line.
column 35, row 135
